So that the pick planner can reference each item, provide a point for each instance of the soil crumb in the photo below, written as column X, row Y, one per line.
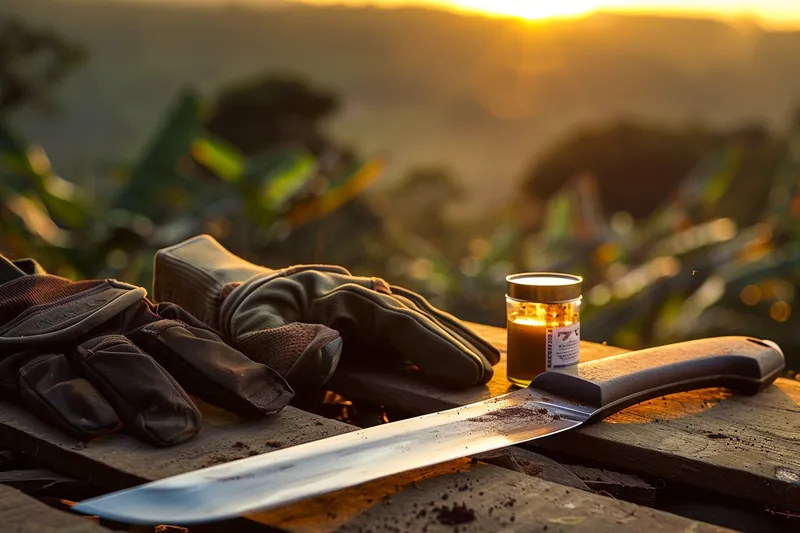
column 717, row 436
column 216, row 459
column 458, row 514
column 240, row 446
column 530, row 468
column 273, row 443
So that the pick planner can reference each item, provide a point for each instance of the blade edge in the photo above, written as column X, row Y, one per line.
column 286, row 476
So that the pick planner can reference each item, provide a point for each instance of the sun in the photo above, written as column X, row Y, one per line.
column 530, row 9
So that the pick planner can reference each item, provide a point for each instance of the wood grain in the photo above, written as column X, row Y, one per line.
column 504, row 501
column 388, row 504
column 119, row 461
column 20, row 513
column 744, row 446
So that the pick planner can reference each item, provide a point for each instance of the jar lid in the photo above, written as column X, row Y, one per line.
column 545, row 287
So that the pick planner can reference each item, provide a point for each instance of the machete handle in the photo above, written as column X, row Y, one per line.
column 610, row 384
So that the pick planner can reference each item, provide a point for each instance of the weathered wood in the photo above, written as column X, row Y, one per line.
column 478, row 497
column 745, row 446
column 22, row 514
column 617, row 485
column 35, row 482
column 10, row 460
column 532, row 464
column 119, row 461
column 620, row 486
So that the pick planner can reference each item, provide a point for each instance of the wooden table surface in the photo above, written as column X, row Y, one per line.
column 687, row 436
column 743, row 446
column 500, row 498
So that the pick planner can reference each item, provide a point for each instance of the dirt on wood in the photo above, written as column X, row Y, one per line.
column 459, row 513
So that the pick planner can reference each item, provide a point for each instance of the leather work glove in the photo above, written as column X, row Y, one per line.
column 92, row 356
column 255, row 307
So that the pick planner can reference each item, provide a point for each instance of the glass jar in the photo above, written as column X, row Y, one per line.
column 543, row 324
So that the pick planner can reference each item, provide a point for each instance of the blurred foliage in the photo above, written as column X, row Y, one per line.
column 293, row 110
column 275, row 189
column 719, row 255
column 679, row 232
column 482, row 94
column 31, row 63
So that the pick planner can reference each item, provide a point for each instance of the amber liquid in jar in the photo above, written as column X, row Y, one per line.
column 541, row 337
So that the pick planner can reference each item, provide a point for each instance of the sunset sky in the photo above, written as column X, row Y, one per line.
column 773, row 12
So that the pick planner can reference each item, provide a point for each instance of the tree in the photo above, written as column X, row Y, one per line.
column 637, row 166
column 32, row 62
column 270, row 110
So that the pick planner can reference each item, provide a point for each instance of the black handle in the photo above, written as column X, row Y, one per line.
column 613, row 383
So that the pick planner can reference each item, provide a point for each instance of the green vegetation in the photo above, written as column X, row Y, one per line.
column 342, row 136
column 485, row 96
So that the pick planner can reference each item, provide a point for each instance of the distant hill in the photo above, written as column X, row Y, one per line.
column 485, row 95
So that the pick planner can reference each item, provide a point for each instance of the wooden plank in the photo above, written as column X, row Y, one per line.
column 517, row 503
column 20, row 513
column 532, row 464
column 119, row 461
column 475, row 497
column 621, row 486
column 745, row 446
column 10, row 460
column 41, row 482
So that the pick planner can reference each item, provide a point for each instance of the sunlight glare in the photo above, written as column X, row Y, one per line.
column 531, row 9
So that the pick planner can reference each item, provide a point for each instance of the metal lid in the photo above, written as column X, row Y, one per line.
column 545, row 287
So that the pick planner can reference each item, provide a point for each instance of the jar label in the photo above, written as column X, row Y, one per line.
column 563, row 346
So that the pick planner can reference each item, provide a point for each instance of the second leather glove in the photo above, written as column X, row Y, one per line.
column 92, row 356
column 254, row 306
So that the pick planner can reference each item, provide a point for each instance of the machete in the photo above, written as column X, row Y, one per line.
column 554, row 402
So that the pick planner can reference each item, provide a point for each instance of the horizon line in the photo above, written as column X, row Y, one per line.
column 765, row 22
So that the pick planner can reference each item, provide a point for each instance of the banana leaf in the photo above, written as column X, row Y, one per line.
column 155, row 183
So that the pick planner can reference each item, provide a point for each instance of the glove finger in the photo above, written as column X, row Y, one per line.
column 363, row 311
column 469, row 349
column 485, row 351
column 172, row 311
column 150, row 403
column 49, row 387
column 447, row 321
column 210, row 369
column 378, row 318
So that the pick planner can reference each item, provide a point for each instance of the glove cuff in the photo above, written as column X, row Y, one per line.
column 45, row 310
column 194, row 273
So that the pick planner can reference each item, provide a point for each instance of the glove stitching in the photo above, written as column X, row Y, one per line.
column 445, row 320
column 451, row 320
column 36, row 309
